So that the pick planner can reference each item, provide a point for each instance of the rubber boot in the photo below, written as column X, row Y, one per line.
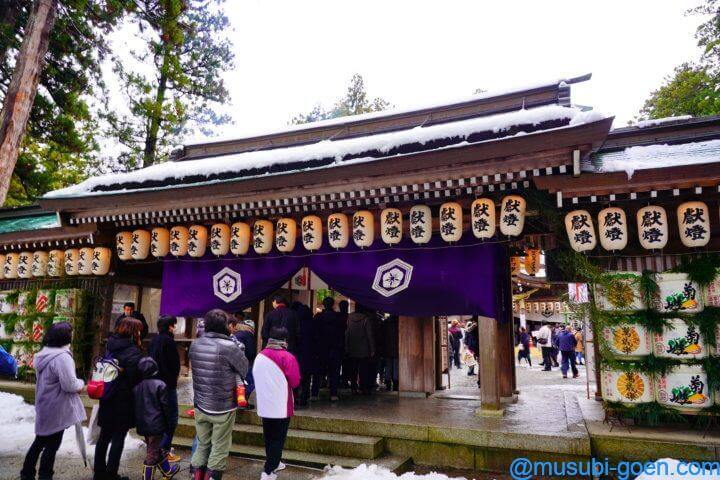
column 148, row 472
column 213, row 475
column 197, row 473
column 167, row 470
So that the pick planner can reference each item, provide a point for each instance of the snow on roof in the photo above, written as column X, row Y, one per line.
column 561, row 82
column 660, row 121
column 337, row 150
column 659, row 156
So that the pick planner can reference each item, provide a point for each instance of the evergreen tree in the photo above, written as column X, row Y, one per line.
column 59, row 146
column 354, row 102
column 175, row 84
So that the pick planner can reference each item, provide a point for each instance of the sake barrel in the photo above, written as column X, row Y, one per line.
column 630, row 387
column 679, row 294
column 624, row 295
column 628, row 340
column 683, row 388
column 680, row 341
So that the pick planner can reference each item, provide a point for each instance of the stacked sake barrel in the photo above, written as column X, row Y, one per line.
column 684, row 386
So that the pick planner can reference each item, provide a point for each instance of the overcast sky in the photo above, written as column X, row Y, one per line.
column 293, row 54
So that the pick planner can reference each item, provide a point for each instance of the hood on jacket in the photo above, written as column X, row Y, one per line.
column 147, row 368
column 43, row 358
column 116, row 343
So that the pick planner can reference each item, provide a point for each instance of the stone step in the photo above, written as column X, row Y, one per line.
column 322, row 443
column 395, row 463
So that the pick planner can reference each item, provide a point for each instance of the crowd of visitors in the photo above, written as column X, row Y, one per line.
column 301, row 353
column 556, row 340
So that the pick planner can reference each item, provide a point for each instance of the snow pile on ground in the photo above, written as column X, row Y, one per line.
column 375, row 472
column 335, row 149
column 670, row 466
column 18, row 420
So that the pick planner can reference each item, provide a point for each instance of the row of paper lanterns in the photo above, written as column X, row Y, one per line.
column 652, row 224
column 239, row 237
column 56, row 263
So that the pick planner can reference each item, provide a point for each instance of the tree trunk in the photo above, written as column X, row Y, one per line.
column 151, row 137
column 23, row 87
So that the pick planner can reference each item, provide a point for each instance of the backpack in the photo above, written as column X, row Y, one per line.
column 8, row 365
column 104, row 379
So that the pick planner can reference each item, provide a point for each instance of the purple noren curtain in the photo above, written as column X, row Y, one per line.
column 408, row 279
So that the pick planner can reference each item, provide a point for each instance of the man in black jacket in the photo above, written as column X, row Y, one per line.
column 281, row 317
column 164, row 351
column 129, row 311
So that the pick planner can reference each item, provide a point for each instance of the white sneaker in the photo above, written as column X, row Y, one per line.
column 281, row 466
column 265, row 476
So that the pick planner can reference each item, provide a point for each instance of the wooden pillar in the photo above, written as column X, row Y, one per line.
column 416, row 348
column 489, row 366
column 506, row 360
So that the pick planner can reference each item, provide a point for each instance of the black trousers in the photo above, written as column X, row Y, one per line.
column 109, row 464
column 547, row 358
column 274, row 432
column 309, row 383
column 46, row 445
column 364, row 370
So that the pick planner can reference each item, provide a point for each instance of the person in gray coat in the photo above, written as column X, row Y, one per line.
column 216, row 361
column 57, row 400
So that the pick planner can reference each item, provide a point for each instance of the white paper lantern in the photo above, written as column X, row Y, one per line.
column 311, row 232
column 515, row 266
column 391, row 226
column 694, row 224
column 681, row 341
column 159, row 242
column 40, row 263
column 451, row 221
column 85, row 261
column 240, row 237
column 512, row 215
column 220, row 239
column 101, row 261
column 612, row 223
column 338, row 230
column 482, row 218
column 197, row 240
column 11, row 265
column 580, row 230
column 285, row 234
column 363, row 228
column 123, row 243
column 652, row 225
column 56, row 263
column 179, row 237
column 24, row 268
column 140, row 245
column 72, row 257
column 684, row 388
column 2, row 271
column 532, row 261
column 262, row 236
column 420, row 224
column 630, row 387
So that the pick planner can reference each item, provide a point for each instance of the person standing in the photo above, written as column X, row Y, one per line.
column 360, row 348
column 544, row 339
column 331, row 339
column 245, row 334
column 579, row 348
column 164, row 351
column 116, row 415
column 281, row 317
column 154, row 419
column 454, row 338
column 471, row 343
column 276, row 373
column 524, row 346
column 308, row 352
column 57, row 400
column 391, row 353
column 130, row 312
column 343, row 313
column 566, row 345
column 216, row 362
column 556, row 348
